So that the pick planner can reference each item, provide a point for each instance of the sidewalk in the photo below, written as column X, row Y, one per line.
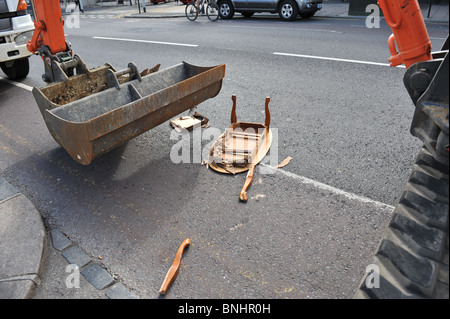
column 22, row 239
column 439, row 12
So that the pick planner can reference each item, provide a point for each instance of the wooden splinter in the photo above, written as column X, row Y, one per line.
column 233, row 110
column 248, row 180
column 173, row 271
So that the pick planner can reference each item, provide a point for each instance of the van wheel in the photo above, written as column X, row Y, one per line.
column 18, row 70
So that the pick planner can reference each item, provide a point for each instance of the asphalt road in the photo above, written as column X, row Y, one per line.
column 308, row 230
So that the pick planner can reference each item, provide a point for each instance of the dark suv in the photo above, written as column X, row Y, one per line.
column 287, row 9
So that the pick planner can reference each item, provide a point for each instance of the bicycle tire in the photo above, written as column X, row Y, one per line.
column 191, row 12
column 212, row 11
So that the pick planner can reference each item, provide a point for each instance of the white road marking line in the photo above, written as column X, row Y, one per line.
column 334, row 59
column 146, row 41
column 18, row 84
column 351, row 196
column 98, row 16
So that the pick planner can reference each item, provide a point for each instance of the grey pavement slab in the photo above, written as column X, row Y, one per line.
column 22, row 238
column 16, row 289
column 7, row 190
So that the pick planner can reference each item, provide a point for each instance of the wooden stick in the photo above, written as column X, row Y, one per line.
column 233, row 110
column 267, row 121
column 173, row 271
column 245, row 135
column 248, row 180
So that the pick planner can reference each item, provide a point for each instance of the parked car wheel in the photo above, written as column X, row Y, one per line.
column 18, row 70
column 288, row 10
column 226, row 9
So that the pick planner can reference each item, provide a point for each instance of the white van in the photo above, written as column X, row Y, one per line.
column 16, row 29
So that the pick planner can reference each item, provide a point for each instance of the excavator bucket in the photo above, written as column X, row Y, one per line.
column 95, row 111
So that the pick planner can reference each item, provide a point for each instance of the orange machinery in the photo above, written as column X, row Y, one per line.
column 49, row 41
column 49, row 27
column 426, row 78
column 409, row 42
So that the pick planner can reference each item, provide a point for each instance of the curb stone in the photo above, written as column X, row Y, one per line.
column 97, row 276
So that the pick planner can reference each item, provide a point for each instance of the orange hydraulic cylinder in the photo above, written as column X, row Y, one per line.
column 410, row 34
column 49, row 27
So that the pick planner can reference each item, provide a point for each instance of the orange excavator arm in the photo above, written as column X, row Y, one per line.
column 409, row 42
column 426, row 78
column 49, row 27
column 49, row 42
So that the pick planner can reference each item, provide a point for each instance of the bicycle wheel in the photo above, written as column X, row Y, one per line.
column 191, row 12
column 212, row 11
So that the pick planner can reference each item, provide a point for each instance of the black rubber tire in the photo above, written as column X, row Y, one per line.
column 288, row 10
column 212, row 11
column 226, row 9
column 412, row 256
column 18, row 70
column 191, row 11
